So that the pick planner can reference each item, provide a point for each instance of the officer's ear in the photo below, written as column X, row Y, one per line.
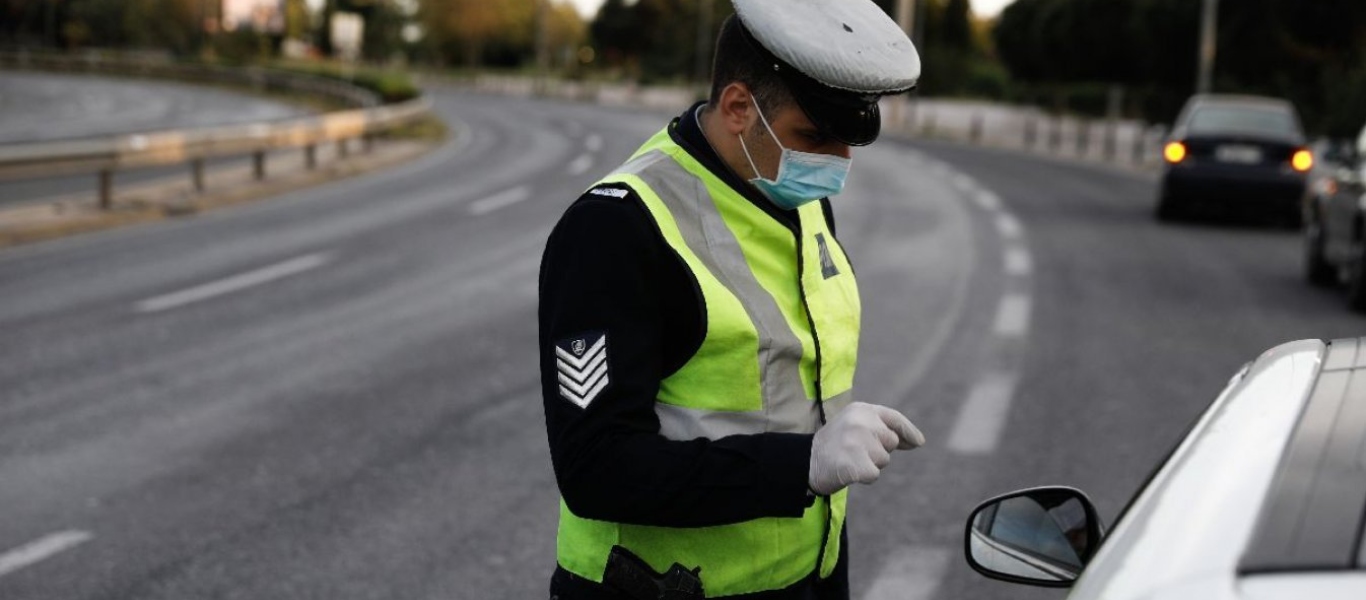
column 736, row 108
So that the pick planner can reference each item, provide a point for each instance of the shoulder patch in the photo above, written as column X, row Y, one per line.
column 610, row 192
column 581, row 361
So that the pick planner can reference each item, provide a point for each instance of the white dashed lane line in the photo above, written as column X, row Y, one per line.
column 987, row 201
column 910, row 573
column 593, row 143
column 1012, row 316
column 500, row 200
column 42, row 549
column 580, row 165
column 983, row 416
column 1018, row 263
column 232, row 284
column 1008, row 226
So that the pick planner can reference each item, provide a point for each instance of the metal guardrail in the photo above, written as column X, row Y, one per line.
column 106, row 155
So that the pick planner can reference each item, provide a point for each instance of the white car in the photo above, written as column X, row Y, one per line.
column 1265, row 499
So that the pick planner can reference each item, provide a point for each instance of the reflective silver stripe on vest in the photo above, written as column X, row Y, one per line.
column 679, row 423
column 786, row 407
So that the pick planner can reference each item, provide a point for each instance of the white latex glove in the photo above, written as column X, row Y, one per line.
column 855, row 446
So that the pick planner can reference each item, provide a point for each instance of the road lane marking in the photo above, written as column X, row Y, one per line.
column 1012, row 316
column 581, row 165
column 500, row 200
column 235, row 283
column 983, row 416
column 964, row 183
column 1018, row 262
column 987, row 201
column 593, row 143
column 1008, row 226
column 41, row 549
column 910, row 573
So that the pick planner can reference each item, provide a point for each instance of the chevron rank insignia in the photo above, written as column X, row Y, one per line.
column 582, row 365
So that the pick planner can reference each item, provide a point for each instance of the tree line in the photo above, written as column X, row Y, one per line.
column 1065, row 53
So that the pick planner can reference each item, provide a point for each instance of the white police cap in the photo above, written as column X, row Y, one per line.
column 837, row 56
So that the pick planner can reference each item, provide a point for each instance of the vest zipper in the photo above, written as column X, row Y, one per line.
column 820, row 393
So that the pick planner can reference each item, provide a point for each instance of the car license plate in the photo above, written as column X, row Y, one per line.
column 1244, row 155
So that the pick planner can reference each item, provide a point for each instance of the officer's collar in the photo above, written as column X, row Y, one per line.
column 686, row 131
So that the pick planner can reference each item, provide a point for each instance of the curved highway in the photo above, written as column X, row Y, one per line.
column 334, row 394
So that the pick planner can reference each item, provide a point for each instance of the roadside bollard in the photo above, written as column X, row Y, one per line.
column 1030, row 132
column 342, row 150
column 1055, row 136
column 1140, row 144
column 975, row 130
column 1109, row 149
column 197, row 173
column 929, row 125
column 1083, row 138
column 311, row 157
column 106, row 189
column 258, row 163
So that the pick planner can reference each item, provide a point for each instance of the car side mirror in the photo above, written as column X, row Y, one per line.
column 1040, row 536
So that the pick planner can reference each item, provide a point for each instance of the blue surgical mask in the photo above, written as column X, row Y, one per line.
column 803, row 177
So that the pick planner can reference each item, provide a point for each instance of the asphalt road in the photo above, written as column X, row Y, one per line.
column 333, row 394
column 45, row 107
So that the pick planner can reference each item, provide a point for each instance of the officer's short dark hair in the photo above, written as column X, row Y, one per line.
column 738, row 60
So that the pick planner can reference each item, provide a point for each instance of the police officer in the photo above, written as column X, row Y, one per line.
column 699, row 327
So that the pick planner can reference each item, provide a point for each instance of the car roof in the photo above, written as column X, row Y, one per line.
column 1192, row 522
column 1203, row 100
column 1312, row 517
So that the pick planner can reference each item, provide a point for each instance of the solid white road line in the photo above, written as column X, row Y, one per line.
column 580, row 165
column 1018, row 262
column 911, row 573
column 1008, row 226
column 983, row 416
column 500, row 200
column 964, row 183
column 41, row 549
column 987, row 201
column 233, row 284
column 1012, row 316
column 593, row 143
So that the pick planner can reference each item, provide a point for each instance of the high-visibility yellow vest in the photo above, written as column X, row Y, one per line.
column 782, row 326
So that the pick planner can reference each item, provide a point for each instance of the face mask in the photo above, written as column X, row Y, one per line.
column 803, row 177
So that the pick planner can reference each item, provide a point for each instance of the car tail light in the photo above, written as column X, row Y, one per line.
column 1174, row 152
column 1302, row 161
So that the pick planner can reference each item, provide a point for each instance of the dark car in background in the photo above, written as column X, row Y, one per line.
column 1334, row 240
column 1244, row 155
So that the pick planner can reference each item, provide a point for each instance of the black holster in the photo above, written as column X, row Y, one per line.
column 630, row 575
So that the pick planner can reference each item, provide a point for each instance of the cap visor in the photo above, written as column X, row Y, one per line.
column 853, row 123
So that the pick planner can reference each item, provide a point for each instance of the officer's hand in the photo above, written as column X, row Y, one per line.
column 855, row 446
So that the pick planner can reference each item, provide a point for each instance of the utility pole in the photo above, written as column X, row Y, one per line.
column 542, row 40
column 702, row 66
column 905, row 17
column 1208, row 43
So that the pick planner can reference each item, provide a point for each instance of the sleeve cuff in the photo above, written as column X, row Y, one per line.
column 787, row 467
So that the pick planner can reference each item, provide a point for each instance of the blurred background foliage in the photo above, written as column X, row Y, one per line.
column 1136, row 57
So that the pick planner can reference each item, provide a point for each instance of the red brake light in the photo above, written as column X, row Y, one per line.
column 1174, row 152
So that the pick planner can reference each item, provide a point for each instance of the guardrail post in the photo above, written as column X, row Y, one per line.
column 106, row 189
column 1083, row 137
column 311, row 157
column 258, row 164
column 1110, row 141
column 1030, row 132
column 1055, row 135
column 1140, row 144
column 975, row 130
column 197, row 173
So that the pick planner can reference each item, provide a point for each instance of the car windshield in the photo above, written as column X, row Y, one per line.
column 1243, row 119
